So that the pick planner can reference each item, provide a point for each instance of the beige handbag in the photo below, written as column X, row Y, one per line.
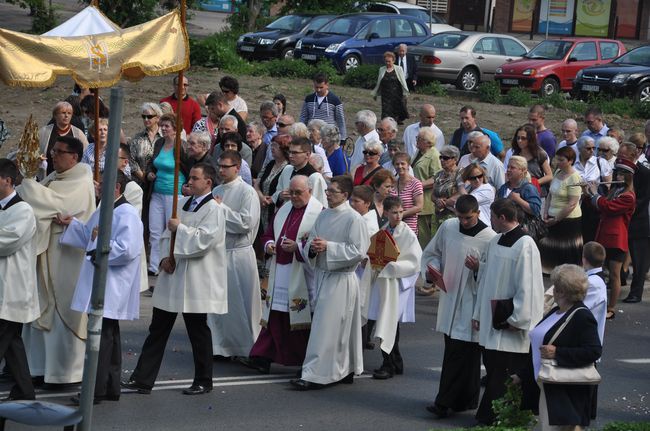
column 551, row 373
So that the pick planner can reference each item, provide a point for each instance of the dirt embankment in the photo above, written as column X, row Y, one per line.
column 18, row 103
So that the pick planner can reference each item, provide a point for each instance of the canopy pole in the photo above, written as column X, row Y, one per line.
column 96, row 135
column 177, row 144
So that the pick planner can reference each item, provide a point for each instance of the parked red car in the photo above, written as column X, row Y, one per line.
column 553, row 64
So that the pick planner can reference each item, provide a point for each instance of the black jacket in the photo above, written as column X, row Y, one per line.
column 577, row 345
column 411, row 69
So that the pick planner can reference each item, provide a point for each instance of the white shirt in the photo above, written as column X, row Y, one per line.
column 411, row 133
column 238, row 104
column 596, row 299
column 590, row 172
column 5, row 201
column 357, row 154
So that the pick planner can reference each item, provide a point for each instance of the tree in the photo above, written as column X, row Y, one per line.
column 44, row 18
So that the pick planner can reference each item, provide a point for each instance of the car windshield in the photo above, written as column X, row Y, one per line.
column 423, row 15
column 318, row 22
column 344, row 26
column 639, row 56
column 444, row 40
column 289, row 22
column 550, row 50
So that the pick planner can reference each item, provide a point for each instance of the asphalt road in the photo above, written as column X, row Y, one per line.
column 245, row 400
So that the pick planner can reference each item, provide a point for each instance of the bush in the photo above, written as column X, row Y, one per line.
column 642, row 110
column 219, row 51
column 557, row 100
column 489, row 92
column 364, row 76
column 518, row 97
column 627, row 426
column 508, row 409
column 433, row 88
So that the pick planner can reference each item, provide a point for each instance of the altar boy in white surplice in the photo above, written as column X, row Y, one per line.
column 456, row 239
column 392, row 299
column 122, row 297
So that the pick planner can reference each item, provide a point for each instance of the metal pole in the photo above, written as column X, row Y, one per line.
column 548, row 10
column 101, row 262
column 430, row 13
column 96, row 134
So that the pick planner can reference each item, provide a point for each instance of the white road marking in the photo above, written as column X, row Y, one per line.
column 635, row 361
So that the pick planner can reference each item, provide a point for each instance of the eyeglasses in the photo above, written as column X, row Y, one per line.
column 369, row 153
column 226, row 166
column 475, row 177
column 446, row 158
column 296, row 192
column 223, row 90
column 567, row 130
column 283, row 124
column 148, row 117
column 604, row 150
column 55, row 152
column 522, row 138
column 297, row 152
column 589, row 148
column 332, row 191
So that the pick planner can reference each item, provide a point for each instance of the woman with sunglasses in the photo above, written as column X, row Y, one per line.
column 141, row 145
column 562, row 215
column 372, row 151
column 476, row 182
column 607, row 149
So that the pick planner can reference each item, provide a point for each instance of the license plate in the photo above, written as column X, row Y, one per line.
column 247, row 48
column 586, row 87
column 510, row 81
column 308, row 57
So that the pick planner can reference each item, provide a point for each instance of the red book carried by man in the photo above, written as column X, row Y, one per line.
column 436, row 277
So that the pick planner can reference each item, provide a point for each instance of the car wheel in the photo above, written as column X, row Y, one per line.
column 351, row 62
column 643, row 93
column 468, row 79
column 549, row 86
column 287, row 53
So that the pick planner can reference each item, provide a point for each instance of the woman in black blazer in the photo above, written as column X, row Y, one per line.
column 578, row 345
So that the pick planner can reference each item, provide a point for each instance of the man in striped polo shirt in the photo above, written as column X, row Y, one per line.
column 324, row 105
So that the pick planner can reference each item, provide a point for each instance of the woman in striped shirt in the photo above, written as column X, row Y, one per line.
column 409, row 190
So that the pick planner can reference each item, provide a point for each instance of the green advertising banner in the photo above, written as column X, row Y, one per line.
column 592, row 17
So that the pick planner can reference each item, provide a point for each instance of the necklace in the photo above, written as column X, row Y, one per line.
column 64, row 131
column 292, row 220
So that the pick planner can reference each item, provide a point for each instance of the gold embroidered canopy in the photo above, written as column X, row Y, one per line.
column 156, row 47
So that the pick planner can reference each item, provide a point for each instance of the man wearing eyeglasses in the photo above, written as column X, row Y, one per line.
column 596, row 127
column 55, row 342
column 286, row 313
column 234, row 333
column 639, row 229
column 337, row 243
column 299, row 154
column 190, row 110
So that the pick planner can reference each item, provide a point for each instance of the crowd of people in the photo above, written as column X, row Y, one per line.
column 273, row 254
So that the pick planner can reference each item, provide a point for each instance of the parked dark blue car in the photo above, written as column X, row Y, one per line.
column 354, row 39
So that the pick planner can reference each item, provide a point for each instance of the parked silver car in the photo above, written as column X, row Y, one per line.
column 465, row 58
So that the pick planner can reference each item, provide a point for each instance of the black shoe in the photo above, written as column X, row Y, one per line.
column 259, row 364
column 441, row 412
column 221, row 358
column 383, row 374
column 304, row 385
column 76, row 399
column 197, row 390
column 631, row 299
column 38, row 381
column 133, row 385
column 348, row 380
column 150, row 273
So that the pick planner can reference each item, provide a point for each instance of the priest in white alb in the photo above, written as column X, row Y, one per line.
column 18, row 293
column 392, row 298
column 337, row 243
column 455, row 240
column 234, row 333
column 509, row 302
column 122, row 295
column 192, row 282
column 286, row 312
column 55, row 342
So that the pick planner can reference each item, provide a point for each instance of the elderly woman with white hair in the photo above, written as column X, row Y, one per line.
column 331, row 141
column 568, row 334
column 372, row 151
column 62, row 126
column 607, row 149
column 141, row 145
column 365, row 122
column 593, row 170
